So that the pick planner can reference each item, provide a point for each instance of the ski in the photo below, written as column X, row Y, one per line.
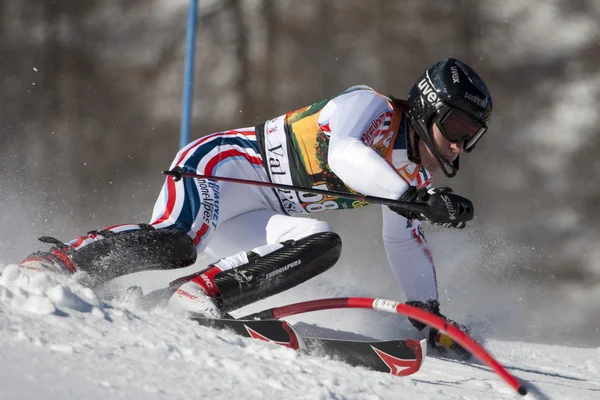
column 276, row 331
column 398, row 357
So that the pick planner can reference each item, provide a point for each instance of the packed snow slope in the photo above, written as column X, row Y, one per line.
column 60, row 340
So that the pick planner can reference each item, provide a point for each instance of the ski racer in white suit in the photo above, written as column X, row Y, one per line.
column 359, row 141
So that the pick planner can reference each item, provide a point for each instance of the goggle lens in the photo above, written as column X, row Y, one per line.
column 459, row 126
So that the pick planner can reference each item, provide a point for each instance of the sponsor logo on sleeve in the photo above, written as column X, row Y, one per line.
column 377, row 129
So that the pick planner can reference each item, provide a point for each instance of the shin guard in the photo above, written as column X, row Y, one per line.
column 294, row 263
column 134, row 251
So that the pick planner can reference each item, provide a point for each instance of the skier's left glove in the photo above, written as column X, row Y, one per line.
column 438, row 206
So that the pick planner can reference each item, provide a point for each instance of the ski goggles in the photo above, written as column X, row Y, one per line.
column 458, row 126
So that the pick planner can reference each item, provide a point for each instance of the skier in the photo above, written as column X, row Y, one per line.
column 357, row 142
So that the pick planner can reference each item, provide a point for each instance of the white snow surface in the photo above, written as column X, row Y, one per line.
column 60, row 340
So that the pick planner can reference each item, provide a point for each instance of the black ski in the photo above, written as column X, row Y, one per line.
column 279, row 332
column 398, row 357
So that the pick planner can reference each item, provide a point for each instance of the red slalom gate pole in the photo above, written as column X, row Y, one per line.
column 406, row 310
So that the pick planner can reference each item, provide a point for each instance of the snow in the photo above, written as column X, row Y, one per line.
column 61, row 340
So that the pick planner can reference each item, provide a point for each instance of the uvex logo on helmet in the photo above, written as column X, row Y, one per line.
column 455, row 78
column 429, row 93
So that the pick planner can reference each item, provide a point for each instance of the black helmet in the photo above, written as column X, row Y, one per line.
column 452, row 95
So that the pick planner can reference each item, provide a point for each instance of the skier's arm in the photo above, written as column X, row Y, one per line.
column 360, row 167
column 408, row 256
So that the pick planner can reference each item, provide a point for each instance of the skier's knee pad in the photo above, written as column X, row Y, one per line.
column 132, row 251
column 294, row 263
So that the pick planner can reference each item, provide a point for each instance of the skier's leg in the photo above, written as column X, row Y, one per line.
column 416, row 275
column 258, row 228
column 290, row 251
column 167, row 242
column 185, row 215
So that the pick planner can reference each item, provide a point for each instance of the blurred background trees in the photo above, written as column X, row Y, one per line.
column 90, row 104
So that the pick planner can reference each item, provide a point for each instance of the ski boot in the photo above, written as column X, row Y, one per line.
column 197, row 293
column 436, row 339
column 57, row 260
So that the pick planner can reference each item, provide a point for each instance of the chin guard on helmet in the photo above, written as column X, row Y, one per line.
column 454, row 97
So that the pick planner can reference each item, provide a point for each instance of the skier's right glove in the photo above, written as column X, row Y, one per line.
column 438, row 206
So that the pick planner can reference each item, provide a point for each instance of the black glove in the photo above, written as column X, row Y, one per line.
column 438, row 206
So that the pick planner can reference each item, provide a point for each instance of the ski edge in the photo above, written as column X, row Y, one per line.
column 283, row 333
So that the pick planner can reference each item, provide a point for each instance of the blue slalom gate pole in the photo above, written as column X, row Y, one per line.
column 188, row 75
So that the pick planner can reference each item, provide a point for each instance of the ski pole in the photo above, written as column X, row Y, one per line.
column 177, row 173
